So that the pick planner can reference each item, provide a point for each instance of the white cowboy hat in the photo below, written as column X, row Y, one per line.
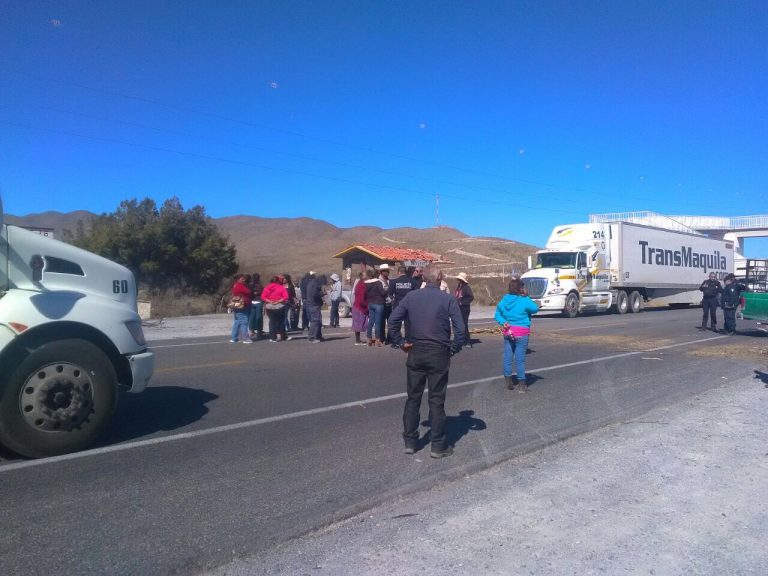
column 335, row 277
column 463, row 277
column 384, row 267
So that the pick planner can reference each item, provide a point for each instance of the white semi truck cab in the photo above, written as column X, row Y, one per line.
column 70, row 335
column 620, row 266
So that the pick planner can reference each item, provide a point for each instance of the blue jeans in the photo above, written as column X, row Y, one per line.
column 256, row 318
column 240, row 324
column 515, row 347
column 375, row 318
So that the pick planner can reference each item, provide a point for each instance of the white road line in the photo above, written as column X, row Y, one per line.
column 302, row 413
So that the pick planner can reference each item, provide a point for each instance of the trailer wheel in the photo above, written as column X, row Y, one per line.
column 635, row 302
column 59, row 399
column 622, row 302
column 571, row 309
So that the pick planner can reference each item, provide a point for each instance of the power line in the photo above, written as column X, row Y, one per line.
column 322, row 140
column 284, row 170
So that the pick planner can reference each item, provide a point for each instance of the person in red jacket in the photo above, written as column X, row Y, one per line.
column 275, row 298
column 242, row 295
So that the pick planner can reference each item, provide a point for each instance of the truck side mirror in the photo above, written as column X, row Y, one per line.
column 37, row 264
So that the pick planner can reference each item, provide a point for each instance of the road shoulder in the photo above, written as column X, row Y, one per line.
column 679, row 489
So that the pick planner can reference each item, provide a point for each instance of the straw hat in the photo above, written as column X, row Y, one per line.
column 463, row 277
column 384, row 266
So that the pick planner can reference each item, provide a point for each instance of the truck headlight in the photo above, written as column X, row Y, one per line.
column 555, row 291
column 134, row 327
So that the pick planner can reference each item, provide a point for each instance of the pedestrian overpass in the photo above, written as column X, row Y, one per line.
column 731, row 228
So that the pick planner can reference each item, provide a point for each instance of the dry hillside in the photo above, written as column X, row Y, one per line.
column 295, row 245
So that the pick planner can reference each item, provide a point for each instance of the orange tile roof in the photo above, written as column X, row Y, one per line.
column 390, row 253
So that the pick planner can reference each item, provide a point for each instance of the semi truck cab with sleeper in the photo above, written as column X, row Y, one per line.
column 620, row 266
column 70, row 335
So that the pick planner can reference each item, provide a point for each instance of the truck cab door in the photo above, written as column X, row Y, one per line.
column 583, row 277
column 598, row 271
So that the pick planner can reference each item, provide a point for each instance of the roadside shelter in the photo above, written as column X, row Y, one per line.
column 368, row 255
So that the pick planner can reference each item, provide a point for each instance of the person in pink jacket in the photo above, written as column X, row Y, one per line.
column 275, row 298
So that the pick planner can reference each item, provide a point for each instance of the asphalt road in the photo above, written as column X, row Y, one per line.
column 236, row 448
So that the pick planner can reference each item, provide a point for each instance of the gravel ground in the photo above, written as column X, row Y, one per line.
column 209, row 325
column 680, row 490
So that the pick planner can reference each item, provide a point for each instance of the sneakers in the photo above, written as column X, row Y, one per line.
column 360, row 344
column 410, row 450
column 289, row 338
column 441, row 453
column 314, row 341
column 249, row 341
column 274, row 341
column 233, row 341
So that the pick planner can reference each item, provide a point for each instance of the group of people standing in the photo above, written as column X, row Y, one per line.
column 288, row 307
column 727, row 298
column 375, row 296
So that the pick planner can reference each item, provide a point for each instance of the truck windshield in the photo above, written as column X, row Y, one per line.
column 556, row 260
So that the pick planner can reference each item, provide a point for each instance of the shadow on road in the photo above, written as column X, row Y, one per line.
column 161, row 408
column 762, row 376
column 456, row 427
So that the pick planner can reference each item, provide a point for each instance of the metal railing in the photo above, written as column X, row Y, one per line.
column 644, row 217
column 691, row 224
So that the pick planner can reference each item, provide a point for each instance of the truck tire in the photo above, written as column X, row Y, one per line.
column 622, row 302
column 59, row 399
column 344, row 309
column 635, row 302
column 571, row 309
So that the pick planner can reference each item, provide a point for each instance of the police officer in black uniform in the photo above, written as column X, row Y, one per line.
column 729, row 300
column 399, row 288
column 710, row 289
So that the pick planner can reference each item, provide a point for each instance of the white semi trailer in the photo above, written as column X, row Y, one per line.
column 620, row 266
column 70, row 335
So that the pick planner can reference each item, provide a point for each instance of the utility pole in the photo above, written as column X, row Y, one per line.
column 437, row 210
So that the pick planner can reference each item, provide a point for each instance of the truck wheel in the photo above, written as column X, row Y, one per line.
column 571, row 309
column 635, row 302
column 58, row 400
column 622, row 302
column 343, row 309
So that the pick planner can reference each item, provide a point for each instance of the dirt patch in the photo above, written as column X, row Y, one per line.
column 620, row 341
column 735, row 350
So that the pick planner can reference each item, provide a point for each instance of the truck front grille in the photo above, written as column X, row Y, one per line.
column 536, row 287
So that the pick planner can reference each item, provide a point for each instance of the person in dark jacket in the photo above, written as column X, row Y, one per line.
column 315, row 293
column 376, row 295
column 432, row 314
column 256, row 317
column 292, row 308
column 710, row 289
column 303, row 293
column 730, row 300
column 464, row 296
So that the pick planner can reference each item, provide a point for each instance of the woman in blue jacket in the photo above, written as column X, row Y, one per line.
column 514, row 315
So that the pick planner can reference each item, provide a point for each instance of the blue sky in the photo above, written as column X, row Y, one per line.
column 520, row 115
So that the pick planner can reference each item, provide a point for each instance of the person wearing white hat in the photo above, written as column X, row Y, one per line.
column 335, row 297
column 465, row 297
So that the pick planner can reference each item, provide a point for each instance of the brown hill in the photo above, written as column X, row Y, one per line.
column 295, row 245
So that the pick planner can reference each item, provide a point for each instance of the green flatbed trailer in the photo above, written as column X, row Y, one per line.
column 756, row 299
